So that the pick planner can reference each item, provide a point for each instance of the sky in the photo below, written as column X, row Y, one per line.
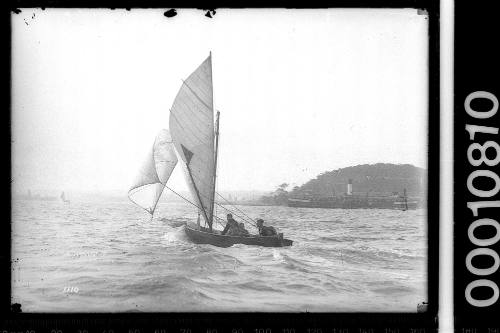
column 300, row 92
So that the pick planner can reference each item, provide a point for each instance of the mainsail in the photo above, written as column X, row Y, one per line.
column 154, row 174
column 192, row 128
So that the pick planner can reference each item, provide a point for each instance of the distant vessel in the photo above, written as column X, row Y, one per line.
column 195, row 138
column 353, row 201
column 64, row 199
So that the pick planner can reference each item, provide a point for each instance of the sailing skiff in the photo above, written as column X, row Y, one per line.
column 203, row 235
column 192, row 140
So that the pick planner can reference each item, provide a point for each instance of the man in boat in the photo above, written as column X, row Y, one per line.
column 242, row 230
column 264, row 230
column 231, row 226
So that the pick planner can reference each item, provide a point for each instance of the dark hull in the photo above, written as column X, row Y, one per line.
column 203, row 236
column 352, row 204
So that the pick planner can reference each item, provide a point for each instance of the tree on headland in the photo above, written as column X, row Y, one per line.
column 277, row 197
column 281, row 194
column 281, row 189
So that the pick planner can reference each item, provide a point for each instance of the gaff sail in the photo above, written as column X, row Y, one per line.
column 154, row 174
column 191, row 125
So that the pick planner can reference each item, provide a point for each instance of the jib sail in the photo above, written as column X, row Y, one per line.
column 154, row 174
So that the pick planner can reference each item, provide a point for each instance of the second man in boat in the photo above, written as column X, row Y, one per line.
column 265, row 230
column 234, row 228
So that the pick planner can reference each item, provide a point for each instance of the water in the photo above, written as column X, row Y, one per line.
column 109, row 256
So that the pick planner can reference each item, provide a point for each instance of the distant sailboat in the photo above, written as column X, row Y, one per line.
column 64, row 199
column 194, row 136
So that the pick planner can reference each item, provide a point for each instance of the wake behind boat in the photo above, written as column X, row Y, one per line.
column 194, row 138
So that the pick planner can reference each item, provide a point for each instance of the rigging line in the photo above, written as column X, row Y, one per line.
column 245, row 220
column 218, row 218
column 242, row 212
column 194, row 176
column 241, row 217
column 183, row 197
column 248, row 219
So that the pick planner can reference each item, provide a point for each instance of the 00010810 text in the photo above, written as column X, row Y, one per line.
column 482, row 243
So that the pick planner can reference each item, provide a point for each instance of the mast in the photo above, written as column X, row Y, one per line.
column 215, row 163
column 216, row 133
column 406, row 200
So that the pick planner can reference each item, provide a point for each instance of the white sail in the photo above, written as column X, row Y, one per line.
column 192, row 128
column 154, row 174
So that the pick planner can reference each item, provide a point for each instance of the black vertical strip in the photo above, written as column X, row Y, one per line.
column 433, row 165
column 5, row 232
column 476, row 69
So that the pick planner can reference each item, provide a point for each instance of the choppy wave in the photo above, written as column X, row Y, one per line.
column 113, row 257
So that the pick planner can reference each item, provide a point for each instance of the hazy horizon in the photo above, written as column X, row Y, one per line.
column 166, row 192
column 300, row 92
